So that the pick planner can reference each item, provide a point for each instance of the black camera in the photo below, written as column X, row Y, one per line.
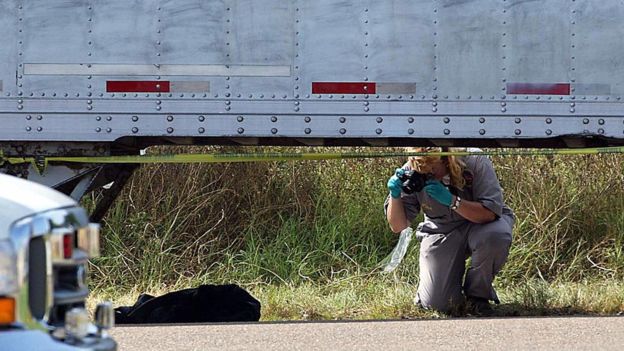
column 414, row 181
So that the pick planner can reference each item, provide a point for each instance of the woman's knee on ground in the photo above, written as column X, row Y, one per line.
column 440, row 302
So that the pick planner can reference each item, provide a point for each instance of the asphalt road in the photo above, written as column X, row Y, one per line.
column 562, row 333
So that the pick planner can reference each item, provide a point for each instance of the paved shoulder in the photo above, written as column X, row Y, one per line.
column 569, row 333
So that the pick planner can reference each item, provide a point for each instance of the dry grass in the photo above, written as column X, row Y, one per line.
column 300, row 228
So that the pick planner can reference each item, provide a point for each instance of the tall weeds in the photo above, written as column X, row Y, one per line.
column 320, row 221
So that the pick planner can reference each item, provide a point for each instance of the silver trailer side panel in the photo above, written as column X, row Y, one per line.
column 325, row 72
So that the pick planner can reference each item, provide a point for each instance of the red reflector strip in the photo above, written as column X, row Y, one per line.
column 137, row 86
column 343, row 88
column 68, row 246
column 538, row 88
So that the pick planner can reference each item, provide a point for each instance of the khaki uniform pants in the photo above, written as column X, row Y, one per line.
column 443, row 260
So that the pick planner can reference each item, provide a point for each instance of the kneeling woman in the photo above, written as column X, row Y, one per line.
column 465, row 216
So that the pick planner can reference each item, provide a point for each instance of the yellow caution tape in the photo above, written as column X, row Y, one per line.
column 266, row 157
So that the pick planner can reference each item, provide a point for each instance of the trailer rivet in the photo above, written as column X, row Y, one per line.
column 240, row 130
column 135, row 118
column 447, row 120
column 548, row 132
column 518, row 120
column 98, row 129
column 307, row 119
column 273, row 119
column 308, row 131
column 158, row 108
column 601, row 121
column 482, row 131
column 342, row 120
column 28, row 129
column 447, row 132
column 135, row 130
column 170, row 118
column 548, row 120
column 434, row 109
column 343, row 131
column 239, row 119
column 601, row 131
column 169, row 130
column 379, row 119
column 378, row 131
column 98, row 118
column 201, row 130
column 89, row 107
column 572, row 110
column 109, row 118
column 410, row 120
column 28, row 118
column 273, row 130
column 410, row 131
column 585, row 120
column 518, row 132
column 39, row 129
column 481, row 120
column 108, row 130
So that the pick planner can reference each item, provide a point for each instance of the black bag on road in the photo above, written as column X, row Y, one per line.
column 206, row 303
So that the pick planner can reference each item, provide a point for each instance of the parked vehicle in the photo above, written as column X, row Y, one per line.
column 45, row 242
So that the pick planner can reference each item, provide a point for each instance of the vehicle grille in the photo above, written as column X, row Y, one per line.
column 37, row 279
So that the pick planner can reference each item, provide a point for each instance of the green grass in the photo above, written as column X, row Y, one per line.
column 307, row 237
column 382, row 297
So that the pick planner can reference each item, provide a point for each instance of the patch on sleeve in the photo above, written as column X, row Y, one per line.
column 468, row 177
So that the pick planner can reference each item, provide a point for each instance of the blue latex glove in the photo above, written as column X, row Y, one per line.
column 439, row 192
column 394, row 183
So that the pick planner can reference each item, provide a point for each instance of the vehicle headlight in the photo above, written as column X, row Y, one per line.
column 8, row 271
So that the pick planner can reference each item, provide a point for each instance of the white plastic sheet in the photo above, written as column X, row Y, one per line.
column 395, row 258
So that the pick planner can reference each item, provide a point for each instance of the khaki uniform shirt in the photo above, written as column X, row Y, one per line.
column 482, row 186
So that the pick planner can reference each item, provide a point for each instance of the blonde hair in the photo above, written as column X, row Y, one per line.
column 455, row 165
